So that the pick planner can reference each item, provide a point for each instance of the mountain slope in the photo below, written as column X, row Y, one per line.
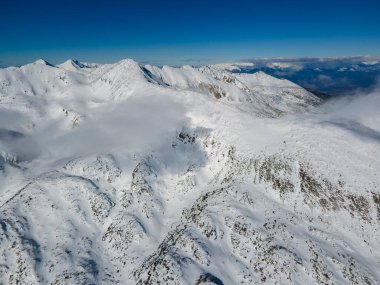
column 148, row 175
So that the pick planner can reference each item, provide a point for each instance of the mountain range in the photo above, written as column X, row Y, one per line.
column 327, row 76
column 137, row 174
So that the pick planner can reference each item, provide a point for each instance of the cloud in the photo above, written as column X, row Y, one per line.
column 359, row 114
column 17, row 146
column 10, row 119
column 140, row 123
column 332, row 76
column 357, row 63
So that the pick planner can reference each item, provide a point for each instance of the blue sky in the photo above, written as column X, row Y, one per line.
column 185, row 32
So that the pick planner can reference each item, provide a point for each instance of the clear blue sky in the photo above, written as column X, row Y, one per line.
column 185, row 32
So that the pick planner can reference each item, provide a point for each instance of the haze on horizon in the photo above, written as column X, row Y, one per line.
column 184, row 32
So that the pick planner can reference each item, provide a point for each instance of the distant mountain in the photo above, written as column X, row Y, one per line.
column 332, row 76
column 136, row 174
column 74, row 65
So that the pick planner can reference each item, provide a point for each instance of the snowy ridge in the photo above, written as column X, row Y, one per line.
column 130, row 174
column 232, row 66
column 76, row 66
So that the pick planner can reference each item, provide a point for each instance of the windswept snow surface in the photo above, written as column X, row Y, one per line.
column 129, row 174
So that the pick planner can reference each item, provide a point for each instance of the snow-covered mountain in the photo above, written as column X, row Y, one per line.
column 328, row 76
column 129, row 174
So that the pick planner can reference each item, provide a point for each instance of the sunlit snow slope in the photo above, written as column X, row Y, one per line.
column 129, row 174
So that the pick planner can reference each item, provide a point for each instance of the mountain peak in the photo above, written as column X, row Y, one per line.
column 72, row 65
column 128, row 61
column 42, row 62
column 76, row 63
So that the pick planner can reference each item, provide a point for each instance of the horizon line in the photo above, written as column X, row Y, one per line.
column 243, row 60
